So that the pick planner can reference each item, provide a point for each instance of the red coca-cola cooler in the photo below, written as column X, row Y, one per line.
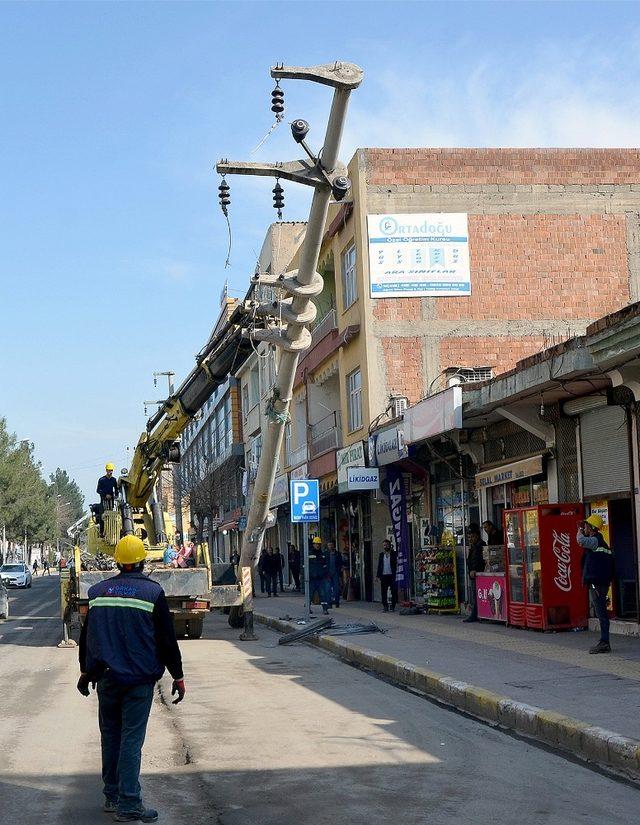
column 544, row 576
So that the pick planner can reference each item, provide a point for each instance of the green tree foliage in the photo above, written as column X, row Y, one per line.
column 26, row 502
column 68, row 500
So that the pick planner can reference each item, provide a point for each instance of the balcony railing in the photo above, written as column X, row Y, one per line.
column 323, row 326
column 326, row 434
column 297, row 456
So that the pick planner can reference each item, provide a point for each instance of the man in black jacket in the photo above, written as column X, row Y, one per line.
column 475, row 564
column 386, row 575
column 597, row 574
column 272, row 566
column 127, row 640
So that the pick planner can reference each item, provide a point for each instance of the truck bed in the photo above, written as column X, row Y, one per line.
column 185, row 582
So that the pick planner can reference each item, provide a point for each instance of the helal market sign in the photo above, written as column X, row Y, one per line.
column 352, row 456
column 413, row 255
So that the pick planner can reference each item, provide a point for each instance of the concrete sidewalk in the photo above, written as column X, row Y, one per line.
column 553, row 672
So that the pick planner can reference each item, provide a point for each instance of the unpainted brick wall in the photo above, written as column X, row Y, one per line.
column 543, row 266
column 499, row 352
column 404, row 367
column 502, row 166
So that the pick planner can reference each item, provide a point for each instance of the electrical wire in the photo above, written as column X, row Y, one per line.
column 227, row 263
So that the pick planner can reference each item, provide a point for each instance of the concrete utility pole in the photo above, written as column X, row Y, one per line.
column 328, row 177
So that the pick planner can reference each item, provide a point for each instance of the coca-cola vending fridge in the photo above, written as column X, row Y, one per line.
column 544, row 577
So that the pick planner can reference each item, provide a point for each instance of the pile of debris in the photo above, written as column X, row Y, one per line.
column 327, row 626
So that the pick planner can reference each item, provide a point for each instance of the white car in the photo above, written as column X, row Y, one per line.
column 16, row 574
column 308, row 507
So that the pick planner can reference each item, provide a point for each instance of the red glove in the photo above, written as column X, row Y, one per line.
column 179, row 688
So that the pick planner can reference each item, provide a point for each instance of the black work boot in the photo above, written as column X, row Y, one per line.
column 143, row 815
column 601, row 647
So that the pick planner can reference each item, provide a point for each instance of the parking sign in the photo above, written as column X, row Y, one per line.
column 305, row 500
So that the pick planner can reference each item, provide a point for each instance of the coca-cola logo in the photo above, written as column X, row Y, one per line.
column 561, row 550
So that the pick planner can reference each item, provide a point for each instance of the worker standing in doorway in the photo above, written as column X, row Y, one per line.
column 597, row 574
column 127, row 640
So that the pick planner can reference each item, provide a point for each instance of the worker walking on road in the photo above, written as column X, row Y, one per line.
column 127, row 640
column 597, row 574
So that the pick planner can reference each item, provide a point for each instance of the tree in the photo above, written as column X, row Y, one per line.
column 68, row 501
column 25, row 500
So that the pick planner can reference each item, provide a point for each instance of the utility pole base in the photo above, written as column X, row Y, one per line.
column 248, row 634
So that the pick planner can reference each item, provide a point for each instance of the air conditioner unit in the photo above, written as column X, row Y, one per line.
column 398, row 406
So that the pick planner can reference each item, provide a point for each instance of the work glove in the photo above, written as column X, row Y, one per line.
column 83, row 684
column 179, row 688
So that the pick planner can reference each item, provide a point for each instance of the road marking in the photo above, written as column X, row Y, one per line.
column 23, row 628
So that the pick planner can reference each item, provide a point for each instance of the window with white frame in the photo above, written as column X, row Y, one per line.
column 245, row 400
column 354, row 399
column 349, row 283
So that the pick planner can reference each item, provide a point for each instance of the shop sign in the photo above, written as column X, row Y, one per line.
column 300, row 472
column 413, row 255
column 510, row 472
column 386, row 447
column 280, row 494
column 352, row 456
column 440, row 413
column 398, row 511
column 492, row 597
column 363, row 478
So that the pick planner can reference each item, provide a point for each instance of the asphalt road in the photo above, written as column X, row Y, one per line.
column 271, row 734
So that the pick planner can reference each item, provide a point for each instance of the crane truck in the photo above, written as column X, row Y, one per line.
column 192, row 591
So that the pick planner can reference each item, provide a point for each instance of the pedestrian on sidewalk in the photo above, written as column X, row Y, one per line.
column 475, row 564
column 45, row 567
column 318, row 574
column 280, row 557
column 597, row 573
column 126, row 642
column 35, row 567
column 335, row 563
column 386, row 575
column 261, row 571
column 271, row 567
column 294, row 564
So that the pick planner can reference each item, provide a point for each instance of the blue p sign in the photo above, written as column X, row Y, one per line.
column 305, row 500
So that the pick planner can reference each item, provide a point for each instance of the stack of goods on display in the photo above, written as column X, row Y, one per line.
column 436, row 578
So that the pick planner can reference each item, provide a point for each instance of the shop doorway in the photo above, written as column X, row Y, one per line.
column 623, row 545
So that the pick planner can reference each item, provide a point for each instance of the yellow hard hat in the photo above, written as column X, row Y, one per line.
column 317, row 540
column 130, row 550
column 110, row 466
column 595, row 521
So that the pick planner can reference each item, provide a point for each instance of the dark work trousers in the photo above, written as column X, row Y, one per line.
column 473, row 599
column 334, row 588
column 599, row 599
column 389, row 582
column 263, row 581
column 295, row 573
column 272, row 583
column 123, row 711
column 322, row 588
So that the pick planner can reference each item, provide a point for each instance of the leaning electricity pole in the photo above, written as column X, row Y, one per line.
column 291, row 315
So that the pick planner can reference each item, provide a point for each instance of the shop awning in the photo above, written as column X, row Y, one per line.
column 524, row 468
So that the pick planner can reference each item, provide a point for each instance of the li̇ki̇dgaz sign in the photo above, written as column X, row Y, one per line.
column 419, row 255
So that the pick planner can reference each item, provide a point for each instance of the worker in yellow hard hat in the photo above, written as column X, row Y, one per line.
column 107, row 489
column 597, row 573
column 127, row 641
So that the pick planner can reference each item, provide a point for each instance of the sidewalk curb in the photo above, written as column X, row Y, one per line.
column 587, row 742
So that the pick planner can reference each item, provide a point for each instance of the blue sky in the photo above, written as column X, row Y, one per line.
column 112, row 246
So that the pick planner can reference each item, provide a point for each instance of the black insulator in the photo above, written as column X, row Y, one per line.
column 278, row 198
column 277, row 100
column 224, row 194
column 340, row 187
column 299, row 130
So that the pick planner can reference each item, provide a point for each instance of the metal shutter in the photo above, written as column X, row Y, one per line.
column 604, row 444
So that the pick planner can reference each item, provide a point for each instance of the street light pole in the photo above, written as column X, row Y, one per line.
column 328, row 177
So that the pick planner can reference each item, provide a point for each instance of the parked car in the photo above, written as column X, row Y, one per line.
column 16, row 574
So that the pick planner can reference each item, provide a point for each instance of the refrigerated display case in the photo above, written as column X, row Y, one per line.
column 544, row 577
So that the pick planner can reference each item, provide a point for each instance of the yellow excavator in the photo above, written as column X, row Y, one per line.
column 191, row 591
